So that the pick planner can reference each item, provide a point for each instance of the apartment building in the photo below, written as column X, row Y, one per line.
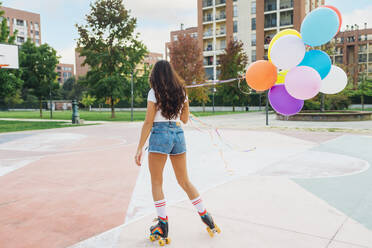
column 254, row 22
column 192, row 31
column 353, row 49
column 65, row 71
column 27, row 24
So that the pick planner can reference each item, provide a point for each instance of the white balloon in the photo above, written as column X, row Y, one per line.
column 287, row 52
column 334, row 82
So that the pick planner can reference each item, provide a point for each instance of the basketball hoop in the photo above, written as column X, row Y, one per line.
column 9, row 56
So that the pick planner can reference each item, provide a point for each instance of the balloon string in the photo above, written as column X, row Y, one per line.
column 209, row 127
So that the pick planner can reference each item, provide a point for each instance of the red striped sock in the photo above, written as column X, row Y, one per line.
column 198, row 203
column 160, row 208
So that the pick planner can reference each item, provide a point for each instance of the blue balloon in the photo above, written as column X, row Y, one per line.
column 318, row 60
column 319, row 26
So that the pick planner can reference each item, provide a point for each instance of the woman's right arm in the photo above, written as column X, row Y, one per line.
column 185, row 112
column 146, row 129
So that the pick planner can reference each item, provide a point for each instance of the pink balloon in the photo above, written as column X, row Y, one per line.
column 303, row 82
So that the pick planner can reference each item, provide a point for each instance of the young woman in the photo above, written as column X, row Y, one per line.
column 167, row 105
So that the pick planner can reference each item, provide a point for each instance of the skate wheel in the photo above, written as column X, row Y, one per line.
column 210, row 232
column 161, row 242
column 152, row 238
column 218, row 230
column 167, row 241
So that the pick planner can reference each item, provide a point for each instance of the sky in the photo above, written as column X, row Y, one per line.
column 155, row 19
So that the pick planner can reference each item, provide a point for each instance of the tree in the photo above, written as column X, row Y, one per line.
column 88, row 101
column 232, row 63
column 38, row 65
column 73, row 89
column 10, row 82
column 111, row 49
column 187, row 59
column 363, row 89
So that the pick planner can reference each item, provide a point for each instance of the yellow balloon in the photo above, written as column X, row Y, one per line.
column 281, row 77
column 281, row 34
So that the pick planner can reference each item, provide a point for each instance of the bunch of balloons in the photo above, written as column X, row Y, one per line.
column 303, row 74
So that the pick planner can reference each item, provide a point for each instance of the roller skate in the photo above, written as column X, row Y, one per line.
column 212, row 228
column 160, row 231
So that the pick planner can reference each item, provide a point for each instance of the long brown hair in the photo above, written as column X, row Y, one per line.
column 169, row 89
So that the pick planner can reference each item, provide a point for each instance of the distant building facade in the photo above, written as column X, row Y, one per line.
column 65, row 71
column 81, row 70
column 27, row 24
column 353, row 49
column 254, row 22
column 149, row 60
column 192, row 31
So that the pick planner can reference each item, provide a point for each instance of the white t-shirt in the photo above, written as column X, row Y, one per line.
column 158, row 116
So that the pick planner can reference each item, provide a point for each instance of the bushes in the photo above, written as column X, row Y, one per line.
column 331, row 102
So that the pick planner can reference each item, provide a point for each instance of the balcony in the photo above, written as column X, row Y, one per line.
column 286, row 18
column 221, row 32
column 220, row 2
column 207, row 3
column 207, row 18
column 270, row 21
column 208, row 48
column 286, row 4
column 221, row 17
column 208, row 34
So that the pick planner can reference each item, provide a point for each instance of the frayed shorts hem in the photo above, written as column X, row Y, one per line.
column 166, row 153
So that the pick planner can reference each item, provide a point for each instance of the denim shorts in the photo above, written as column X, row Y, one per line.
column 167, row 138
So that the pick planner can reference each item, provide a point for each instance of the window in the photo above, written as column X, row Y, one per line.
column 235, row 26
column 235, row 10
column 253, row 23
column 363, row 48
column 362, row 58
column 222, row 44
column 253, row 8
column 207, row 3
column 253, row 39
column 36, row 25
column 208, row 60
column 209, row 73
column 270, row 20
column 37, row 32
column 31, row 31
column 286, row 18
column 37, row 41
column 253, row 55
column 175, row 37
column 20, row 22
column 339, row 59
column 20, row 39
column 270, row 5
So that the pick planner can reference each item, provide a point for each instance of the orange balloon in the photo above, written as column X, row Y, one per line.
column 261, row 75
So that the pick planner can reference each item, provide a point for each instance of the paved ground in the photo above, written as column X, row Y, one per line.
column 267, row 187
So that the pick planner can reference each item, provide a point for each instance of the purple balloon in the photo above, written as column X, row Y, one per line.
column 282, row 102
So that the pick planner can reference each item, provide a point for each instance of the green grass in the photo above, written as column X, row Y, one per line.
column 14, row 126
column 92, row 116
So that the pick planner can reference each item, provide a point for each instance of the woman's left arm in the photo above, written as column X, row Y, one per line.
column 146, row 129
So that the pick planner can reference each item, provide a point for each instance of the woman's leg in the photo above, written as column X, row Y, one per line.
column 180, row 170
column 156, row 166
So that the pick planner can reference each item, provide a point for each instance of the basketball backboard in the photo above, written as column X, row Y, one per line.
column 9, row 56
